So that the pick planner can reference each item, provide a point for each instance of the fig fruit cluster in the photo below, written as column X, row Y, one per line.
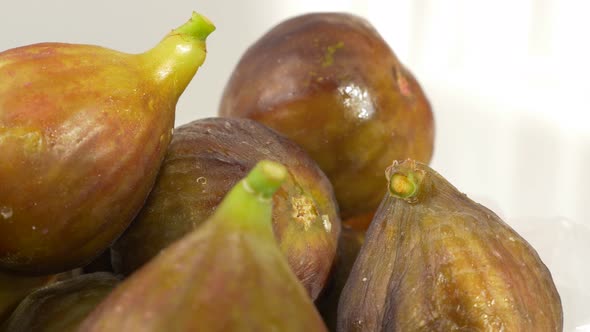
column 306, row 205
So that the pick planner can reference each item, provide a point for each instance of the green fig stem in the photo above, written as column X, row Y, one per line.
column 404, row 180
column 249, row 202
column 403, row 186
column 176, row 59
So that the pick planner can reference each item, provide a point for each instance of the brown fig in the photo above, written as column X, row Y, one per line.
column 227, row 275
column 205, row 159
column 434, row 260
column 14, row 288
column 349, row 245
column 83, row 132
column 61, row 306
column 329, row 82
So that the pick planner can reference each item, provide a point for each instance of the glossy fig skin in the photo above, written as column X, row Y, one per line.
column 329, row 82
column 62, row 306
column 437, row 261
column 83, row 131
column 205, row 159
column 227, row 275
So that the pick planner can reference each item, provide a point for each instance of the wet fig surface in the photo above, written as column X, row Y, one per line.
column 60, row 307
column 329, row 82
column 434, row 260
column 205, row 159
column 227, row 275
column 83, row 132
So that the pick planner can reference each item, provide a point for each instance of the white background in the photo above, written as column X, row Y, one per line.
column 508, row 81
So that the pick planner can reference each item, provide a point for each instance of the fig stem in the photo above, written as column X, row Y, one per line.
column 403, row 186
column 265, row 178
column 198, row 26
column 249, row 202
column 174, row 61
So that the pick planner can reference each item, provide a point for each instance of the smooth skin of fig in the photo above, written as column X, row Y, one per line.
column 228, row 275
column 14, row 288
column 329, row 82
column 434, row 260
column 83, row 132
column 349, row 245
column 205, row 159
column 62, row 306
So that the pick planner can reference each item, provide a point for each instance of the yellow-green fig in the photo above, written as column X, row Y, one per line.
column 83, row 132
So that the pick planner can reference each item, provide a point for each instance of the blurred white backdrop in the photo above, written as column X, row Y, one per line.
column 508, row 82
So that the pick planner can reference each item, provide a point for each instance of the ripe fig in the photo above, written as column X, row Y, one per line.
column 329, row 82
column 349, row 245
column 227, row 275
column 434, row 260
column 14, row 288
column 83, row 132
column 205, row 159
column 62, row 306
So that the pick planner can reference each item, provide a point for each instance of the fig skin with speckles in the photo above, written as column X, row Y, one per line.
column 83, row 132
column 330, row 83
column 434, row 260
column 204, row 160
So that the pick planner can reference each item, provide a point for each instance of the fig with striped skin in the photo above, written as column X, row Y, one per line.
column 227, row 275
column 331, row 83
column 205, row 159
column 14, row 288
column 61, row 307
column 434, row 260
column 83, row 132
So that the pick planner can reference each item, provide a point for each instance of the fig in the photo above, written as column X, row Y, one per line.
column 329, row 82
column 349, row 245
column 205, row 159
column 434, row 260
column 61, row 306
column 227, row 275
column 83, row 132
column 14, row 288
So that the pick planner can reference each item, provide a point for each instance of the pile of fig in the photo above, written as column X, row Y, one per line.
column 307, row 204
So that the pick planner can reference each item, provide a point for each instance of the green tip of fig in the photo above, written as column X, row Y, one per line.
column 404, row 180
column 265, row 178
column 198, row 26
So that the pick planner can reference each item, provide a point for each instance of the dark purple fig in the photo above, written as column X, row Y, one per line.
column 83, row 132
column 434, row 260
column 60, row 307
column 329, row 82
column 208, row 157
column 227, row 275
